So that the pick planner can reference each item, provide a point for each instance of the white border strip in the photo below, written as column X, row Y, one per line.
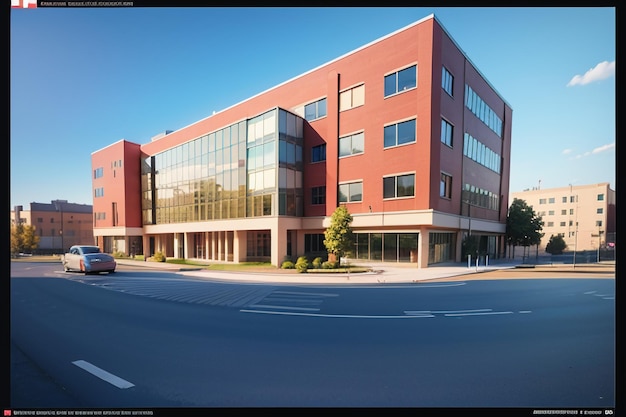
column 104, row 375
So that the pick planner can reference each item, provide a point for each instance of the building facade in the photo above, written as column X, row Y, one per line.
column 404, row 131
column 584, row 215
column 58, row 224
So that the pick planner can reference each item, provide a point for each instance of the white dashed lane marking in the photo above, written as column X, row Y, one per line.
column 104, row 375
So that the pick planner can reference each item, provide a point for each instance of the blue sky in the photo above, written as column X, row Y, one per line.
column 84, row 78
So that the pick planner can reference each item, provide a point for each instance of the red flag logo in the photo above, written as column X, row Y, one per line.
column 23, row 4
column 7, row 412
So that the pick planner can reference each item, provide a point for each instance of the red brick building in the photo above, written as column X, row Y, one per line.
column 404, row 131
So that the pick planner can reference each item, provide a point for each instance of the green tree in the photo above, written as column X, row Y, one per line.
column 23, row 239
column 338, row 236
column 523, row 226
column 556, row 245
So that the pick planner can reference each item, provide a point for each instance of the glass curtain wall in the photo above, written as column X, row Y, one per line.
column 251, row 168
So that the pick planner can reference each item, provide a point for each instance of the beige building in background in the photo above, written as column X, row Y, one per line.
column 58, row 224
column 583, row 214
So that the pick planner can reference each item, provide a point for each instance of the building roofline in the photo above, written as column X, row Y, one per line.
column 360, row 48
column 470, row 61
column 115, row 143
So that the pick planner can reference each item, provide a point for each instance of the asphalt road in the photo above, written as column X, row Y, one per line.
column 157, row 339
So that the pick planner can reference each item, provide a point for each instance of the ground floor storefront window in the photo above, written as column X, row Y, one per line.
column 386, row 247
column 441, row 247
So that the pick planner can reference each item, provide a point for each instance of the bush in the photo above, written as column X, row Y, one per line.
column 317, row 263
column 302, row 264
column 118, row 254
column 287, row 265
column 159, row 257
column 330, row 265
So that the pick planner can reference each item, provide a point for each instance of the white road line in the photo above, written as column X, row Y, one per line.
column 350, row 316
column 104, row 375
column 478, row 314
column 524, row 311
column 447, row 311
column 311, row 294
column 284, row 307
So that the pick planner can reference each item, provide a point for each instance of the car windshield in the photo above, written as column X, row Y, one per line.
column 91, row 250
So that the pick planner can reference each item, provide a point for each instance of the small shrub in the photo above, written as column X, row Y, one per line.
column 330, row 265
column 287, row 265
column 302, row 264
column 118, row 254
column 159, row 257
column 317, row 263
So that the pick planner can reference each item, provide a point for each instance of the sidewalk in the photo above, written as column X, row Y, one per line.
column 394, row 273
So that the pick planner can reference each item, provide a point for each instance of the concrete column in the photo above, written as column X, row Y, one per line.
column 240, row 249
column 214, row 246
column 279, row 243
column 422, row 248
column 220, row 246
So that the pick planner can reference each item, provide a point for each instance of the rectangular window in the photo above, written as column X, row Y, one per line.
column 564, row 200
column 564, row 212
column 318, row 195
column 351, row 145
column 551, row 200
column 98, row 172
column 447, row 81
column 542, row 201
column 572, row 199
column 599, row 211
column 399, row 186
column 550, row 224
column 99, row 192
column 400, row 81
column 562, row 224
column 351, row 98
column 551, row 213
column 571, row 211
column 445, row 186
column 600, row 197
column 446, row 132
column 318, row 153
column 351, row 192
column 315, row 110
column 599, row 223
column 399, row 133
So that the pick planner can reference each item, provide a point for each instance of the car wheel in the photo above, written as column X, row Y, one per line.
column 65, row 268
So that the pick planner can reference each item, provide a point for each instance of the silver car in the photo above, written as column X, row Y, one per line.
column 88, row 259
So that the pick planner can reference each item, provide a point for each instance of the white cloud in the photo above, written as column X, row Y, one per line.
column 566, row 151
column 597, row 150
column 603, row 70
column 604, row 148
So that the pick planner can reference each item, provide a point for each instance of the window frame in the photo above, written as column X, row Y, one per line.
column 322, row 148
column 396, row 73
column 395, row 178
column 447, row 81
column 350, row 91
column 317, row 111
column 318, row 195
column 349, row 194
column 351, row 137
column 396, row 125
column 445, row 181
column 449, row 127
